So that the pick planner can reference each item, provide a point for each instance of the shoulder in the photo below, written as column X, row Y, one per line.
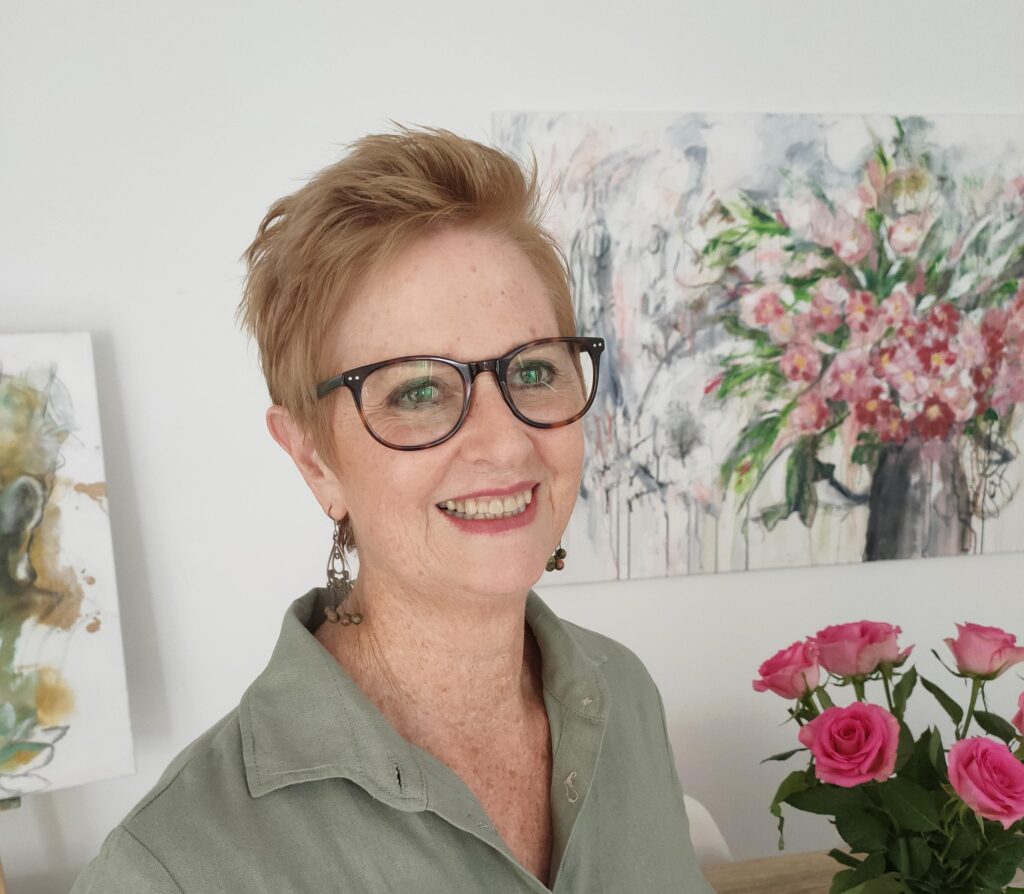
column 204, row 768
column 619, row 664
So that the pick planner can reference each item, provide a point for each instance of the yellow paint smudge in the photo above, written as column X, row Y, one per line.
column 55, row 700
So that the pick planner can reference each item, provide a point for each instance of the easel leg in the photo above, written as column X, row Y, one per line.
column 6, row 804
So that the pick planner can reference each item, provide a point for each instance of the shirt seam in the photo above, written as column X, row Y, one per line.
column 156, row 859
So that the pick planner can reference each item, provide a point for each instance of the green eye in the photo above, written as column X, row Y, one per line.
column 533, row 374
column 415, row 394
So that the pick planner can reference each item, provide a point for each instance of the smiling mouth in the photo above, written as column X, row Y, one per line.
column 488, row 507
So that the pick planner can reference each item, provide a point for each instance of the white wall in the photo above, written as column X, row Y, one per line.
column 140, row 143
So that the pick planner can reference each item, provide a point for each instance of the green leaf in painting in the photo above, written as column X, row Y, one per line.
column 954, row 710
column 800, row 477
column 752, row 445
column 910, row 805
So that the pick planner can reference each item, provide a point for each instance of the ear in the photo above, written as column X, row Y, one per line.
column 299, row 446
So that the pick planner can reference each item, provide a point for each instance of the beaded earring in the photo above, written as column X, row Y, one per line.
column 339, row 583
column 557, row 560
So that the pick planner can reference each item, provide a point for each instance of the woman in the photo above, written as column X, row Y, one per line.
column 431, row 726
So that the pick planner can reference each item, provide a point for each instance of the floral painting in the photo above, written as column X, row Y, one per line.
column 63, row 700
column 815, row 330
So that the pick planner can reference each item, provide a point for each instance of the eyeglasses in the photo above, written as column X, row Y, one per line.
column 419, row 401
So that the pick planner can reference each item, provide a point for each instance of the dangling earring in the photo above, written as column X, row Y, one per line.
column 556, row 561
column 339, row 585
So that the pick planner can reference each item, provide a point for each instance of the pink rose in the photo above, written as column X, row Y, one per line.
column 988, row 778
column 984, row 651
column 856, row 649
column 791, row 673
column 852, row 745
column 1018, row 718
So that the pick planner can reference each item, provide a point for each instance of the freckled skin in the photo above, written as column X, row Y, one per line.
column 444, row 651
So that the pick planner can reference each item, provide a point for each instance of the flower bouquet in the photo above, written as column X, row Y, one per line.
column 918, row 817
column 878, row 332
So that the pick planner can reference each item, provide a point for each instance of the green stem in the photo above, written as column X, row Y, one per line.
column 858, row 687
column 976, row 685
column 888, row 691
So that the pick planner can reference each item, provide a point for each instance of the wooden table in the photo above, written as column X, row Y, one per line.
column 784, row 874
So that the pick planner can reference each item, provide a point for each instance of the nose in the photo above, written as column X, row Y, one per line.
column 491, row 429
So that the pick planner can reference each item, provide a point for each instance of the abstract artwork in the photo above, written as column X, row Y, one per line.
column 814, row 329
column 63, row 700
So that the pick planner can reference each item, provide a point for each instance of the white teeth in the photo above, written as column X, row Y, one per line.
column 489, row 507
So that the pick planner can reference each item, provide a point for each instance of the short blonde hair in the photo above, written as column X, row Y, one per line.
column 315, row 246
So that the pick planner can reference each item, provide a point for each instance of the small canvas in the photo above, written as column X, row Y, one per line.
column 63, row 697
column 814, row 329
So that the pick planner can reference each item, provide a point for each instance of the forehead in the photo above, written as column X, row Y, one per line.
column 461, row 293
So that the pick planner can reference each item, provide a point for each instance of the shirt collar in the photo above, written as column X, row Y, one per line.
column 304, row 718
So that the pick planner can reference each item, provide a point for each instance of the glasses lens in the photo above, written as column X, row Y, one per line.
column 552, row 382
column 414, row 402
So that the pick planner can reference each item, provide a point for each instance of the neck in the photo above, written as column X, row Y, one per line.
column 447, row 661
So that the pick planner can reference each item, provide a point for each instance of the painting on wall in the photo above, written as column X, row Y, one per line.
column 63, row 699
column 814, row 329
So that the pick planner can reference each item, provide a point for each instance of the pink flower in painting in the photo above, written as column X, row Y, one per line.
column 960, row 399
column 852, row 240
column 891, row 426
column 792, row 672
column 870, row 409
column 761, row 307
column 801, row 362
column 988, row 778
column 984, row 651
column 907, row 233
column 937, row 358
column 857, row 649
column 861, row 311
column 883, row 360
column 827, row 299
column 849, row 377
column 906, row 375
column 852, row 745
column 785, row 328
column 897, row 308
column 935, row 420
column 804, row 265
column 911, row 332
column 1008, row 387
column 970, row 345
column 945, row 317
column 810, row 413
column 1018, row 718
column 770, row 257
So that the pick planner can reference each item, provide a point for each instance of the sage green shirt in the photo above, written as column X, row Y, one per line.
column 306, row 787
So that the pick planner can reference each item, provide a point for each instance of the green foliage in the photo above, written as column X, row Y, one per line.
column 751, row 449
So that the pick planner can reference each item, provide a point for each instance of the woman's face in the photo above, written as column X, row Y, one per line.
column 467, row 295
